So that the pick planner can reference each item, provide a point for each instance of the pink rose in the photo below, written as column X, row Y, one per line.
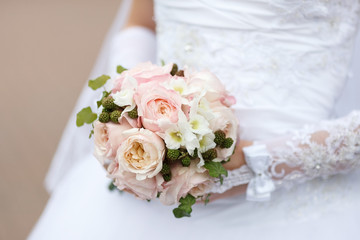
column 141, row 152
column 156, row 103
column 209, row 82
column 143, row 73
column 144, row 189
column 108, row 137
column 226, row 121
column 185, row 180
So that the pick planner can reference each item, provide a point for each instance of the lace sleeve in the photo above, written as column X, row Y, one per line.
column 321, row 150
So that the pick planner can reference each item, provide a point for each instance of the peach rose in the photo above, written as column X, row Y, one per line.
column 216, row 91
column 144, row 189
column 185, row 180
column 143, row 73
column 108, row 137
column 226, row 121
column 142, row 153
column 156, row 103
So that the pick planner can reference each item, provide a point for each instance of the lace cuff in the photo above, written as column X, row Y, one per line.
column 329, row 148
column 235, row 177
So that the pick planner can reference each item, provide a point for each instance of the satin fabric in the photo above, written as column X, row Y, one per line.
column 81, row 207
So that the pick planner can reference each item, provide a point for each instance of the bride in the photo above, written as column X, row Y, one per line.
column 287, row 62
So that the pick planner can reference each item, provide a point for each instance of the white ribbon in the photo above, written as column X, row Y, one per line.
column 261, row 185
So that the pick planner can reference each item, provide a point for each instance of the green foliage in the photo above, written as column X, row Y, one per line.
column 120, row 69
column 167, row 177
column 185, row 207
column 98, row 82
column 207, row 199
column 173, row 154
column 133, row 113
column 91, row 133
column 85, row 116
column 195, row 154
column 108, row 104
column 105, row 94
column 104, row 117
column 216, row 170
column 162, row 62
column 165, row 169
column 114, row 116
column 219, row 137
column 186, row 161
column 210, row 154
column 174, row 69
column 228, row 142
column 111, row 186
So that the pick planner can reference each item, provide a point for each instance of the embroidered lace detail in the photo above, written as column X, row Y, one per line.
column 306, row 158
column 235, row 177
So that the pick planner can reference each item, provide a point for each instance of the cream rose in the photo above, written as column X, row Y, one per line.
column 192, row 179
column 108, row 137
column 142, row 153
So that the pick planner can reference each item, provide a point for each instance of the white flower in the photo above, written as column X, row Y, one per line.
column 204, row 109
column 125, row 97
column 180, row 135
column 198, row 123
column 207, row 142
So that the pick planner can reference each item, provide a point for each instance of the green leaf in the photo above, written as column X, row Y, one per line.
column 105, row 94
column 215, row 169
column 179, row 213
column 111, row 186
column 85, row 116
column 91, row 133
column 120, row 69
column 184, row 209
column 207, row 199
column 98, row 82
column 162, row 62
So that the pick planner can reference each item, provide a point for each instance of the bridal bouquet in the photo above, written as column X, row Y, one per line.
column 163, row 133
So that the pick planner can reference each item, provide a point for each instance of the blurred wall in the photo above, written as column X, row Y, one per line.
column 47, row 50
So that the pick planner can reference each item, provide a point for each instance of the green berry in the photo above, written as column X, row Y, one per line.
column 167, row 177
column 210, row 154
column 114, row 116
column 186, row 161
column 195, row 154
column 133, row 113
column 106, row 110
column 219, row 137
column 165, row 169
column 228, row 142
column 104, row 117
column 180, row 73
column 173, row 154
column 174, row 69
column 111, row 186
column 108, row 103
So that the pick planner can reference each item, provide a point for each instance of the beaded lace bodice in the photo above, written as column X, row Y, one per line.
column 274, row 56
column 286, row 61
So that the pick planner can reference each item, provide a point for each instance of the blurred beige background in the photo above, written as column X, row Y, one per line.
column 47, row 50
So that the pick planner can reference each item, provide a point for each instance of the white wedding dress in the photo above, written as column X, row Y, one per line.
column 287, row 62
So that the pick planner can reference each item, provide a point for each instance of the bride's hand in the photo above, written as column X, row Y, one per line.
column 236, row 161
